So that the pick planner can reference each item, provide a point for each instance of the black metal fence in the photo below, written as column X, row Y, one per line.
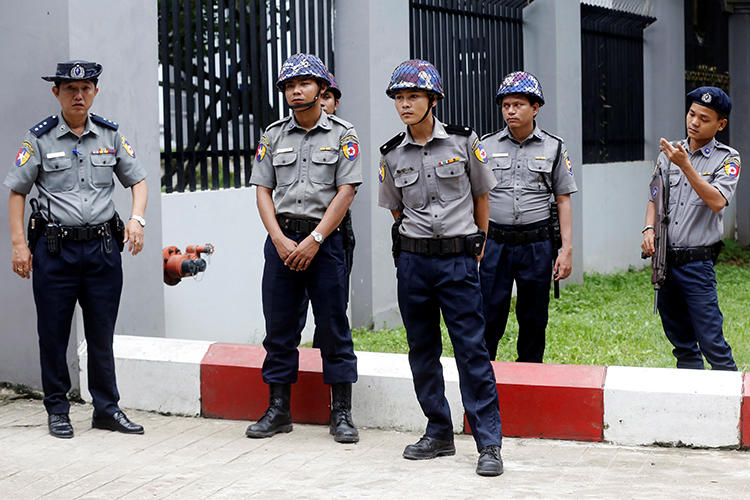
column 219, row 60
column 473, row 43
column 612, row 84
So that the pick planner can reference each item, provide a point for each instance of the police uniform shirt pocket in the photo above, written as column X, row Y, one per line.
column 503, row 174
column 453, row 182
column 285, row 167
column 58, row 176
column 102, row 168
column 536, row 169
column 323, row 168
column 412, row 193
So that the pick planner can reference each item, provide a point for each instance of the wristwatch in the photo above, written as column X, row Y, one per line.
column 646, row 228
column 317, row 237
column 139, row 219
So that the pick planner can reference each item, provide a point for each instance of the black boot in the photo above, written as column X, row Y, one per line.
column 277, row 417
column 341, row 425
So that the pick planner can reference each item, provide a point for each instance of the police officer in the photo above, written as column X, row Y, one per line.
column 71, row 158
column 530, row 165
column 306, row 170
column 700, row 176
column 435, row 180
column 329, row 100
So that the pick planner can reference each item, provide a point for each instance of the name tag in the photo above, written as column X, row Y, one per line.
column 499, row 155
column 58, row 154
column 284, row 150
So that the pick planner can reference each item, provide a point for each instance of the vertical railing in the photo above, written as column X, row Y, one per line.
column 473, row 43
column 612, row 84
column 219, row 60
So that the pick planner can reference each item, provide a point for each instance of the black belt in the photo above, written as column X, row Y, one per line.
column 681, row 256
column 298, row 226
column 513, row 238
column 433, row 246
column 85, row 233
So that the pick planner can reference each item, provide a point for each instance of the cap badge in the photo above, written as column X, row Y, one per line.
column 706, row 97
column 77, row 71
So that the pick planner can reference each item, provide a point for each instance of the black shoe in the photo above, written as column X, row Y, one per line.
column 116, row 422
column 59, row 425
column 277, row 417
column 340, row 423
column 490, row 462
column 428, row 447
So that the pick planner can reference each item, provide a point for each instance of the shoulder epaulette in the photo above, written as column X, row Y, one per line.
column 490, row 134
column 44, row 126
column 341, row 121
column 458, row 130
column 556, row 137
column 732, row 151
column 392, row 143
column 278, row 122
column 104, row 122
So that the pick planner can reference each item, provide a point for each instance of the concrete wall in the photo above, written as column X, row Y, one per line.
column 224, row 303
column 122, row 37
column 552, row 51
column 739, row 62
column 614, row 208
column 376, row 36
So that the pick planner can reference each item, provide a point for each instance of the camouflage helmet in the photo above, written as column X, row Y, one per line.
column 521, row 82
column 333, row 86
column 415, row 74
column 301, row 65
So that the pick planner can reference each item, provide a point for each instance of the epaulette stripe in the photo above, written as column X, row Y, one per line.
column 44, row 126
column 392, row 143
column 559, row 139
column 104, row 122
column 458, row 130
column 341, row 121
column 278, row 122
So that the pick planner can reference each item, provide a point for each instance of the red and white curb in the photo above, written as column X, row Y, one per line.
column 624, row 405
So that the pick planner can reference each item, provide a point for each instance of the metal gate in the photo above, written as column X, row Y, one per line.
column 612, row 84
column 218, row 63
column 473, row 43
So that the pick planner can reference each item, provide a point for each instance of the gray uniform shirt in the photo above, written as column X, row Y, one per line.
column 434, row 184
column 75, row 173
column 521, row 196
column 691, row 222
column 304, row 168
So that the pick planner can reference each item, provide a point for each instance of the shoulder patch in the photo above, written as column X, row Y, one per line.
column 44, row 126
column 458, row 130
column 340, row 121
column 732, row 167
column 104, row 122
column 392, row 143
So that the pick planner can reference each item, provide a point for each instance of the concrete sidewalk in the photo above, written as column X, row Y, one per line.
column 181, row 457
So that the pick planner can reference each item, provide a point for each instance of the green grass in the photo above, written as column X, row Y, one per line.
column 609, row 320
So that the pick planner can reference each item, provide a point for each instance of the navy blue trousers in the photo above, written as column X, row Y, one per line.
column 285, row 297
column 530, row 266
column 85, row 273
column 690, row 314
column 428, row 286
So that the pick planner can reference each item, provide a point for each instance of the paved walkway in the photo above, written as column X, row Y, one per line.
column 182, row 457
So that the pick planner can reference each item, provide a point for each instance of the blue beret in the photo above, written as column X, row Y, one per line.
column 75, row 71
column 712, row 97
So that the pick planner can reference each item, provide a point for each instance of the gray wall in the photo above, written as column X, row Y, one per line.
column 739, row 70
column 122, row 37
column 376, row 36
column 552, row 51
